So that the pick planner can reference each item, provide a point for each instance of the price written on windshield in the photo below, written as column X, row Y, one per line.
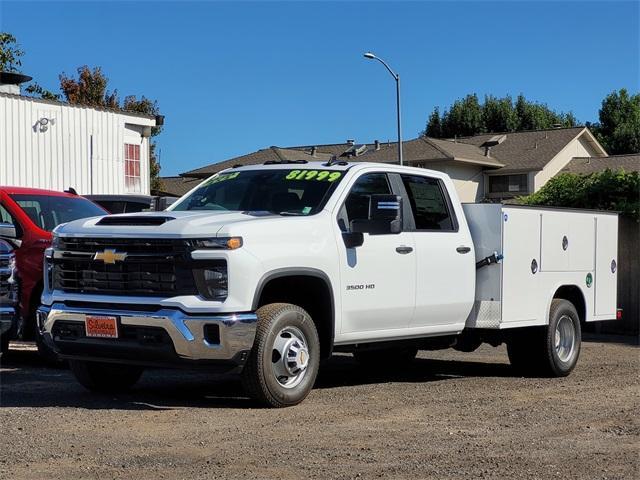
column 316, row 175
column 221, row 177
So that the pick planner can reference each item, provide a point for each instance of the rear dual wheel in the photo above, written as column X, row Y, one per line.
column 283, row 364
column 552, row 350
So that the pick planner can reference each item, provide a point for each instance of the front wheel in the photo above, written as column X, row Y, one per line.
column 283, row 363
column 105, row 377
column 552, row 350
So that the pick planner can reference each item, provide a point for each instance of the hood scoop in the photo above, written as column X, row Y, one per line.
column 142, row 220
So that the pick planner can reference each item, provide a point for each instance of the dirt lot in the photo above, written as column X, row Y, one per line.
column 451, row 415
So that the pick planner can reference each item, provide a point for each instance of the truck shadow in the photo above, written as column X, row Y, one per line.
column 26, row 382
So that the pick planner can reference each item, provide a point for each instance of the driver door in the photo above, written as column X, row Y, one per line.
column 377, row 278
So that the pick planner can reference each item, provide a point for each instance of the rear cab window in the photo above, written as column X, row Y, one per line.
column 430, row 204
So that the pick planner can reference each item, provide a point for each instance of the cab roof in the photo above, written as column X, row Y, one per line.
column 35, row 191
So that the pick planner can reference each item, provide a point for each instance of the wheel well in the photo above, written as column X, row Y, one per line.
column 574, row 295
column 309, row 292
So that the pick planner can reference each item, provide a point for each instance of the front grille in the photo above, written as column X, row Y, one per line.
column 152, row 267
column 6, row 269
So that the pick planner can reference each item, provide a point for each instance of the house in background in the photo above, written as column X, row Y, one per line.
column 483, row 167
column 55, row 145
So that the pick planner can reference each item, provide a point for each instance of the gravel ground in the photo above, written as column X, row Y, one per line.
column 451, row 415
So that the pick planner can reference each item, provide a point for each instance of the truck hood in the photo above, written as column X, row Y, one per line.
column 166, row 224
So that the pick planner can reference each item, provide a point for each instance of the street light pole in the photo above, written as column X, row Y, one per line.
column 396, row 77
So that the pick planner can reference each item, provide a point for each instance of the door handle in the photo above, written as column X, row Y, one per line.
column 463, row 249
column 404, row 250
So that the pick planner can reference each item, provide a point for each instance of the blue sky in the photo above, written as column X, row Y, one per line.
column 235, row 77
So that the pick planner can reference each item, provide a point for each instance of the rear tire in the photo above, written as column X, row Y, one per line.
column 283, row 363
column 552, row 350
column 105, row 377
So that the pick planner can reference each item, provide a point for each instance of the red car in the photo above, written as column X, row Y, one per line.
column 35, row 213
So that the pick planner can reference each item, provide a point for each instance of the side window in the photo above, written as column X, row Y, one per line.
column 429, row 203
column 356, row 206
column 6, row 217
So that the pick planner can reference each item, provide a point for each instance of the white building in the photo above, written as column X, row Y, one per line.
column 55, row 145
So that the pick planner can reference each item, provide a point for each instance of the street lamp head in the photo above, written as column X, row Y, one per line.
column 369, row 55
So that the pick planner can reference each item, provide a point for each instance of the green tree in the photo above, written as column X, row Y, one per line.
column 619, row 127
column 607, row 190
column 434, row 124
column 537, row 116
column 498, row 114
column 470, row 117
column 10, row 53
column 464, row 118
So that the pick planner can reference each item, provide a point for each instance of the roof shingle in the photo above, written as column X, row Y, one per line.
column 530, row 150
column 584, row 165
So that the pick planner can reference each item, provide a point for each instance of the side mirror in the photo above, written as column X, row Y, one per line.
column 385, row 216
column 352, row 239
column 8, row 232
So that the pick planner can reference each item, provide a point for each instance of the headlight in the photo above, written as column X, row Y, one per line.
column 212, row 280
column 55, row 241
column 218, row 243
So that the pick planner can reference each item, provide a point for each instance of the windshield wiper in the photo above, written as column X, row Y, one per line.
column 291, row 214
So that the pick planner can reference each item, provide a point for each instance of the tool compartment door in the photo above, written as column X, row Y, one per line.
column 606, row 275
column 521, row 247
column 581, row 242
column 554, row 239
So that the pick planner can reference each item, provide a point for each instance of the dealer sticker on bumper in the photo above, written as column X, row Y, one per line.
column 101, row 326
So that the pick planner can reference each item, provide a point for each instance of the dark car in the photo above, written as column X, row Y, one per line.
column 131, row 203
column 8, row 293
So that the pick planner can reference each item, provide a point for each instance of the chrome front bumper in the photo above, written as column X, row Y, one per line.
column 236, row 330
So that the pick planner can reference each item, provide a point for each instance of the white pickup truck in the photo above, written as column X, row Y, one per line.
column 265, row 270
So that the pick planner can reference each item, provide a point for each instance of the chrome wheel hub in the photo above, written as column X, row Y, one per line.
column 565, row 338
column 290, row 357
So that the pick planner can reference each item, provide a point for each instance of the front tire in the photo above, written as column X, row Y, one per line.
column 105, row 377
column 552, row 350
column 283, row 363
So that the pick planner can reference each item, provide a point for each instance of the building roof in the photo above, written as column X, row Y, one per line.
column 427, row 149
column 177, row 186
column 531, row 150
column 584, row 165
column 502, row 152
column 66, row 104
column 271, row 154
column 420, row 149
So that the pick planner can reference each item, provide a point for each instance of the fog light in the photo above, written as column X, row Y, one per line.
column 212, row 281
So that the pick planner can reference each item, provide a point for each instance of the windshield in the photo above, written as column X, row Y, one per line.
column 47, row 212
column 285, row 192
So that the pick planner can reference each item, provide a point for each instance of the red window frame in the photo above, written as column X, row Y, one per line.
column 132, row 167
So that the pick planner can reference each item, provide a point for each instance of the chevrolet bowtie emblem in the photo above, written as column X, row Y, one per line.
column 110, row 256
